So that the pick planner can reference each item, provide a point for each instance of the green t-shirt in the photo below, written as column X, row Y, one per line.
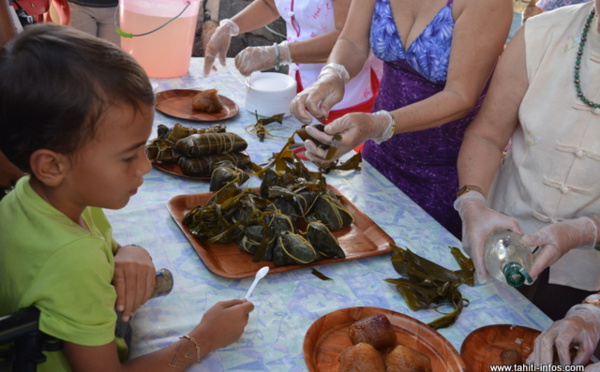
column 49, row 261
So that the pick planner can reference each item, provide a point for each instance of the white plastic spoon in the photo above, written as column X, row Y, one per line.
column 259, row 275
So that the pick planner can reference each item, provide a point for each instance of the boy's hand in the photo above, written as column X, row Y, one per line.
column 134, row 279
column 223, row 324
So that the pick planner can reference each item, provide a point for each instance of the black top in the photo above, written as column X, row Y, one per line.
column 96, row 3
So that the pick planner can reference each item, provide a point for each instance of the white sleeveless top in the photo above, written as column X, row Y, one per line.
column 306, row 19
column 552, row 171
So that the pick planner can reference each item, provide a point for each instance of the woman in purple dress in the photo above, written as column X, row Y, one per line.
column 438, row 56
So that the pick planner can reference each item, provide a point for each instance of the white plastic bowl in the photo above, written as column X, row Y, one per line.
column 269, row 93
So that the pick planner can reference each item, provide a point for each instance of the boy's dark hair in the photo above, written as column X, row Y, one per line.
column 55, row 83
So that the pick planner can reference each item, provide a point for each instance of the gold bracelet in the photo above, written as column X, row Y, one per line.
column 466, row 188
column 593, row 299
column 188, row 337
column 393, row 124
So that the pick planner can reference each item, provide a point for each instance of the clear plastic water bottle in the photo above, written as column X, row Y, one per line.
column 164, row 283
column 507, row 258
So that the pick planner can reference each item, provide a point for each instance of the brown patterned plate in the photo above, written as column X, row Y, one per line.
column 363, row 238
column 483, row 347
column 175, row 169
column 178, row 103
column 328, row 336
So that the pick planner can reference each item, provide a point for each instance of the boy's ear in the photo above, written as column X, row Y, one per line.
column 48, row 166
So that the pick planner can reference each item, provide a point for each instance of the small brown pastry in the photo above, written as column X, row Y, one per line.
column 407, row 359
column 375, row 330
column 207, row 101
column 510, row 357
column 360, row 358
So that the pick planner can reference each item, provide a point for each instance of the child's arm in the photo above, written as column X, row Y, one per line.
column 221, row 325
column 133, row 279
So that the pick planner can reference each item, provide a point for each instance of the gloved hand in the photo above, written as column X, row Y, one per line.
column 219, row 44
column 593, row 367
column 319, row 97
column 478, row 221
column 581, row 327
column 557, row 239
column 263, row 58
column 355, row 128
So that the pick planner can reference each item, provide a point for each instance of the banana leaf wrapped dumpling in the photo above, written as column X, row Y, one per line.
column 180, row 131
column 283, row 200
column 260, row 239
column 203, row 166
column 210, row 143
column 278, row 222
column 207, row 223
column 304, row 200
column 293, row 249
column 329, row 210
column 323, row 240
column 162, row 150
column 225, row 172
column 254, row 239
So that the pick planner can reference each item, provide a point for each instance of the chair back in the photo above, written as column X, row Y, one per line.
column 21, row 341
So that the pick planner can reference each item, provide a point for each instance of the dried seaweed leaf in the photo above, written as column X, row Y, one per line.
column 260, row 130
column 427, row 285
column 320, row 275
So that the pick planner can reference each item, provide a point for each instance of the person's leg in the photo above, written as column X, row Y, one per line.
column 107, row 24
column 82, row 19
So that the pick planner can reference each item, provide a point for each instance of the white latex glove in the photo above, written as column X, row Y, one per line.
column 319, row 97
column 580, row 327
column 593, row 367
column 478, row 221
column 263, row 58
column 556, row 239
column 219, row 44
column 355, row 128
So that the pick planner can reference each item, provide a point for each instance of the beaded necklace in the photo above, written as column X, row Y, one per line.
column 580, row 94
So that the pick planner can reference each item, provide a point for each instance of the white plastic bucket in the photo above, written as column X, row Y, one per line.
column 269, row 93
column 159, row 34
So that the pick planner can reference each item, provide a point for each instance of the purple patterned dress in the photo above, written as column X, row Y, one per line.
column 422, row 164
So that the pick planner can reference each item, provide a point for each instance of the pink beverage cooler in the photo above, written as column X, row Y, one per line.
column 159, row 34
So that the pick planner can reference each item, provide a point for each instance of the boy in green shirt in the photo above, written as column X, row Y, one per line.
column 75, row 114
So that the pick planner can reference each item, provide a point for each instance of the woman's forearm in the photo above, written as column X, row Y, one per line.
column 256, row 15
column 352, row 47
column 478, row 162
column 314, row 50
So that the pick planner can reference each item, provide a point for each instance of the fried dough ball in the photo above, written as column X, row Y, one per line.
column 207, row 101
column 407, row 359
column 361, row 357
column 375, row 330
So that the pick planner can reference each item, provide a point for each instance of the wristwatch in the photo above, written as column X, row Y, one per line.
column 592, row 300
column 466, row 188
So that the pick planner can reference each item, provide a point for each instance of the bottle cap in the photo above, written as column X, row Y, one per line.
column 515, row 274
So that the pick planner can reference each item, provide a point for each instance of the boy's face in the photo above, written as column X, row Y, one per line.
column 109, row 169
